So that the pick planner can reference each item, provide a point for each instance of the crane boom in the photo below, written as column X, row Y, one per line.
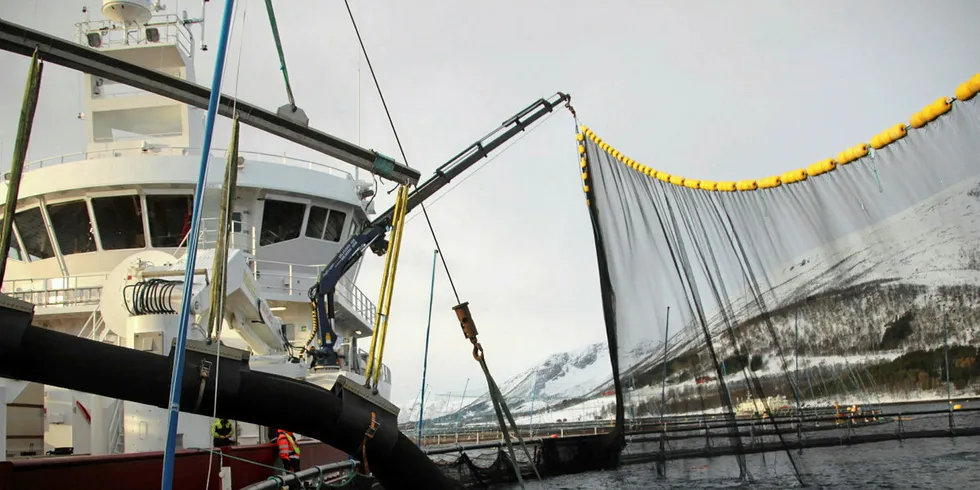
column 373, row 235
column 21, row 40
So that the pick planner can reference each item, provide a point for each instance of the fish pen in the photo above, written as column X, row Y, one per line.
column 843, row 252
column 488, row 464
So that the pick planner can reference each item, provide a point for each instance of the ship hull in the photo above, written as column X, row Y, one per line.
column 139, row 471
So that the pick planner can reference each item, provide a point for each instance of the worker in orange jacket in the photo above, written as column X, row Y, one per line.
column 288, row 450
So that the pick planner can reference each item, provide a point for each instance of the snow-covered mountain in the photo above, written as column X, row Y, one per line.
column 559, row 378
column 437, row 405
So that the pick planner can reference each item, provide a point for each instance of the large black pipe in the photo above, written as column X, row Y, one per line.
column 43, row 356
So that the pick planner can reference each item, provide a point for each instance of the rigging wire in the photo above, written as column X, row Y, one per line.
column 223, row 283
column 192, row 250
column 401, row 148
column 282, row 56
column 486, row 162
column 500, row 405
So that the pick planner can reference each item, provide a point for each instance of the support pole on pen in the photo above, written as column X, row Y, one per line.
column 178, row 368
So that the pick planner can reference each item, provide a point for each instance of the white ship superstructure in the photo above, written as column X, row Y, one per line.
column 100, row 237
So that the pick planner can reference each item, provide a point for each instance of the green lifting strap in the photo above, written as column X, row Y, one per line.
column 282, row 57
column 31, row 93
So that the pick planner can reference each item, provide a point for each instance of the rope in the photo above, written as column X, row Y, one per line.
column 499, row 403
column 282, row 56
column 425, row 356
column 368, row 435
column 352, row 473
column 249, row 461
column 401, row 148
column 498, row 153
column 223, row 283
column 873, row 153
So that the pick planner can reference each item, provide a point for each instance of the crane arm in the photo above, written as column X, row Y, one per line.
column 373, row 234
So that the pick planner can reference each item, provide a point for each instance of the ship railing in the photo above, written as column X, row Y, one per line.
column 150, row 151
column 90, row 329
column 95, row 328
column 116, row 441
column 133, row 137
column 295, row 280
column 77, row 290
column 362, row 364
column 242, row 234
column 113, row 34
column 333, row 474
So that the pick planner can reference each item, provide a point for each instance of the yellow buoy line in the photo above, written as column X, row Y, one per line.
column 966, row 91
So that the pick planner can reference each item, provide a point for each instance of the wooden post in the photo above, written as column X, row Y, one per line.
column 219, row 288
column 27, row 110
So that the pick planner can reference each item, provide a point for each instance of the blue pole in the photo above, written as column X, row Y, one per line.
column 425, row 356
column 177, row 372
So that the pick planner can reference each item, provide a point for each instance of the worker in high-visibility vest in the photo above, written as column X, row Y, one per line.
column 288, row 450
column 221, row 431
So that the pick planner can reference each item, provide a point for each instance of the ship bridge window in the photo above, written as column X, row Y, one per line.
column 281, row 221
column 32, row 231
column 236, row 222
column 120, row 222
column 72, row 227
column 325, row 224
column 169, row 217
column 14, row 250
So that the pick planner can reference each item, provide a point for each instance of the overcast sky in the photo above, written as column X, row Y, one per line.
column 713, row 89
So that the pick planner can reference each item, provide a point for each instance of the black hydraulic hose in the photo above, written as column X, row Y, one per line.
column 260, row 398
column 153, row 296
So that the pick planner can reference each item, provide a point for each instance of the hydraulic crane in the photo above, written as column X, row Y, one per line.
column 373, row 235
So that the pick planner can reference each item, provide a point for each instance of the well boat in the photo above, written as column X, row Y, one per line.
column 99, row 247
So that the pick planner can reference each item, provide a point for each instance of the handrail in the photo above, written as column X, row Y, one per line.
column 10, row 285
column 359, row 302
column 279, row 481
column 115, row 439
column 306, row 275
column 175, row 33
column 56, row 291
column 182, row 151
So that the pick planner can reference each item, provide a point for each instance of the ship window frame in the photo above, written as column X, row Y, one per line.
column 15, row 244
column 326, row 221
column 237, row 225
column 301, row 230
column 50, row 205
column 356, row 224
column 47, row 233
column 146, row 213
column 140, row 202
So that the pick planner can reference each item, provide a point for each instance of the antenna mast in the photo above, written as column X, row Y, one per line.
column 358, row 123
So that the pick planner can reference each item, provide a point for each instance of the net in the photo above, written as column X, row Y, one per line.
column 794, row 289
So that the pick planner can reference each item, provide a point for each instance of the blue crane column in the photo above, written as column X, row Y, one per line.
column 178, row 367
column 425, row 357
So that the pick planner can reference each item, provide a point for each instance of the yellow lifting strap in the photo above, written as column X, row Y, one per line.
column 377, row 350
